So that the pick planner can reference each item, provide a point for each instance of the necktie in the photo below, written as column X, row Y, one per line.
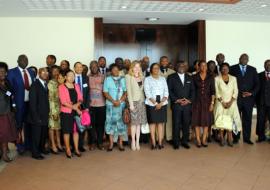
column 45, row 86
column 103, row 71
column 268, row 75
column 79, row 82
column 26, row 80
column 243, row 70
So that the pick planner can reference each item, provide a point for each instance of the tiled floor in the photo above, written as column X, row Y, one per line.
column 216, row 168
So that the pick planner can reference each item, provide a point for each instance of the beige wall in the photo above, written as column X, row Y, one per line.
column 67, row 38
column 235, row 38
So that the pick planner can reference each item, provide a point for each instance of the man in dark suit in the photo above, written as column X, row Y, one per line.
column 263, row 102
column 102, row 66
column 248, row 85
column 83, row 82
column 20, row 80
column 39, row 114
column 182, row 92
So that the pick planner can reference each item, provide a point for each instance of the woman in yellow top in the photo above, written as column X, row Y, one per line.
column 54, row 118
column 135, row 93
column 226, row 102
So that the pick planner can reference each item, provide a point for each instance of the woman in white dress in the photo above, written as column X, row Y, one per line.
column 226, row 103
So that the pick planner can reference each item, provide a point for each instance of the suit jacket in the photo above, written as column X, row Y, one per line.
column 38, row 104
column 65, row 98
column 263, row 96
column 17, row 83
column 178, row 91
column 85, row 92
column 247, row 83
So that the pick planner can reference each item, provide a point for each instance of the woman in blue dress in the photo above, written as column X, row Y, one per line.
column 115, row 93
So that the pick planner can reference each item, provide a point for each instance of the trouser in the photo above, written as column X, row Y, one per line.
column 181, row 122
column 96, row 132
column 39, row 135
column 263, row 113
column 245, row 107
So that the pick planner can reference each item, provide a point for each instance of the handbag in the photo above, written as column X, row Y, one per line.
column 126, row 115
column 224, row 122
column 145, row 129
column 83, row 121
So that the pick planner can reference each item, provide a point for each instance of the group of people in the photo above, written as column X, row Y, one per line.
column 41, row 109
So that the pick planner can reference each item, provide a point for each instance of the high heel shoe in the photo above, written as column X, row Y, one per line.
column 198, row 145
column 153, row 147
column 60, row 149
column 7, row 159
column 204, row 145
column 121, row 149
column 68, row 156
column 110, row 149
column 78, row 154
column 53, row 152
column 160, row 147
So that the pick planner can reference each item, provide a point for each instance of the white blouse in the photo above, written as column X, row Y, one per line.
column 154, row 87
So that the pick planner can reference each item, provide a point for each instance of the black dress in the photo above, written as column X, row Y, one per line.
column 201, row 116
column 67, row 119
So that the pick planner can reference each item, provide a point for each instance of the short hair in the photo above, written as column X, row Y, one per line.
column 101, row 57
column 179, row 62
column 52, row 57
column 33, row 68
column 55, row 67
column 67, row 62
column 113, row 66
column 268, row 60
column 119, row 59
column 163, row 57
column 77, row 63
column 93, row 62
column 196, row 62
column 224, row 65
column 152, row 67
column 4, row 65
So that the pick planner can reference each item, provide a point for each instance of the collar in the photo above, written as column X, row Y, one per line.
column 78, row 75
column 21, row 69
column 42, row 81
column 181, row 74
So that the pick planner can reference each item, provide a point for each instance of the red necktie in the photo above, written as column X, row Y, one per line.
column 26, row 80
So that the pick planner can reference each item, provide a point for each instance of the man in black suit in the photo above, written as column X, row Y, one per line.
column 102, row 66
column 182, row 92
column 39, row 114
column 248, row 85
column 83, row 82
column 263, row 102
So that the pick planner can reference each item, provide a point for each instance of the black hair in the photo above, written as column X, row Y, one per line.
column 34, row 68
column 224, row 65
column 195, row 62
column 52, row 57
column 178, row 63
column 113, row 65
column 268, row 60
column 152, row 67
column 202, row 61
column 3, row 65
column 119, row 59
column 101, row 57
column 77, row 63
column 55, row 67
column 67, row 62
column 163, row 57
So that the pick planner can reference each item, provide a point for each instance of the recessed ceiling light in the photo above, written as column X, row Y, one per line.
column 123, row 7
column 264, row 5
column 201, row 9
column 151, row 19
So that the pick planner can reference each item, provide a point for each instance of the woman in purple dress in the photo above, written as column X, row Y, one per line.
column 204, row 103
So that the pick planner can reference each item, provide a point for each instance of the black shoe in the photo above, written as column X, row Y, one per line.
column 78, row 154
column 109, row 149
column 122, row 149
column 153, row 147
column 198, row 145
column 204, row 145
column 235, row 141
column 81, row 149
column 38, row 157
column 260, row 140
column 46, row 152
column 248, row 142
column 68, row 156
column 175, row 147
column 160, row 147
column 60, row 149
column 185, row 145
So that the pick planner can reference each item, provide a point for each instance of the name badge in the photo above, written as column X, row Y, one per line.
column 188, row 82
column 8, row 93
column 85, row 85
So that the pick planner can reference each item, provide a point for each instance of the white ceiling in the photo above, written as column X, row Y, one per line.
column 136, row 11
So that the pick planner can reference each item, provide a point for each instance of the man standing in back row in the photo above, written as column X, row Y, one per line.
column 248, row 85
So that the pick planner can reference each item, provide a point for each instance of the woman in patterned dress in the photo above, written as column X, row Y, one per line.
column 54, row 118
